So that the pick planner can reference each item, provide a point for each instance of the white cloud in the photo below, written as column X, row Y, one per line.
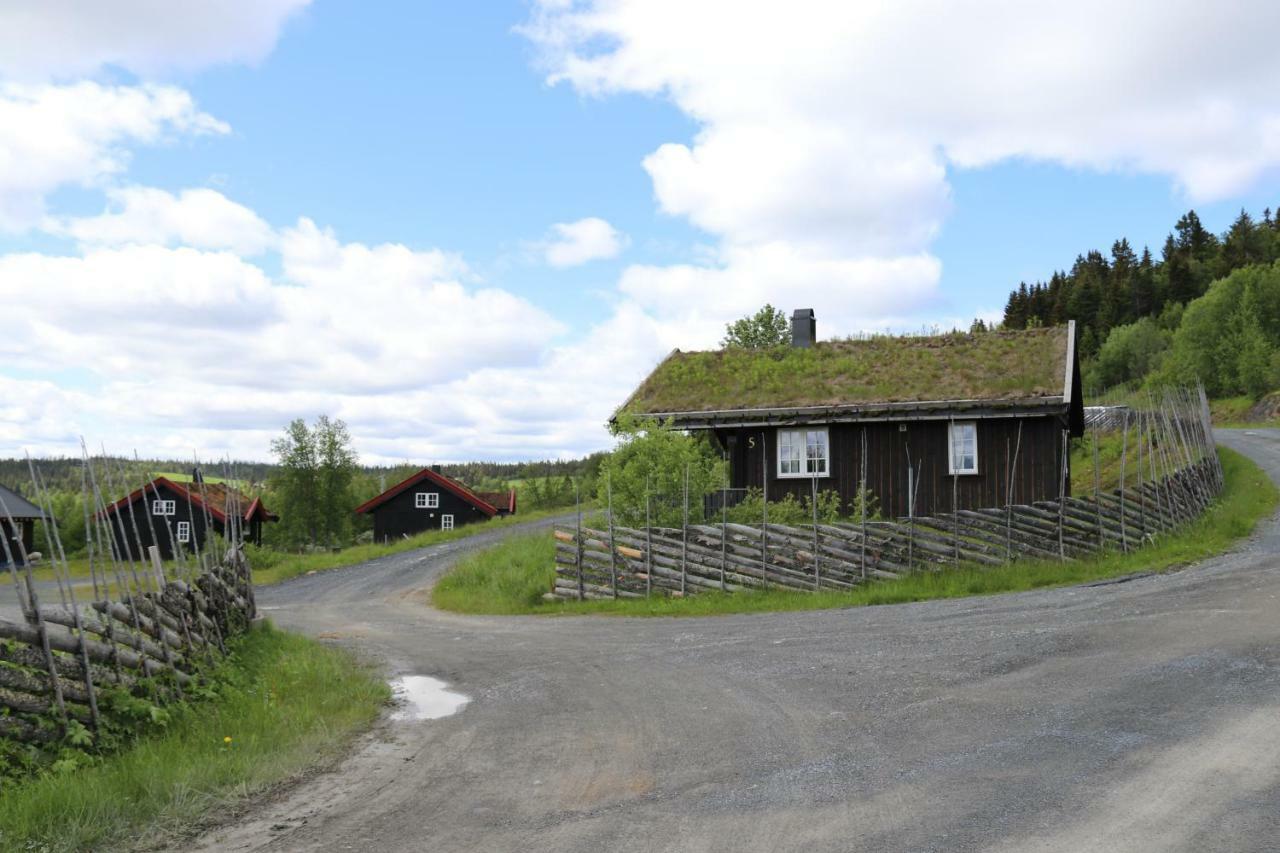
column 849, row 294
column 576, row 243
column 200, row 218
column 185, row 342
column 826, row 131
column 51, row 136
column 63, row 38
column 1192, row 97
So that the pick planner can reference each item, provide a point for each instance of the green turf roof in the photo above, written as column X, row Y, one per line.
column 996, row 366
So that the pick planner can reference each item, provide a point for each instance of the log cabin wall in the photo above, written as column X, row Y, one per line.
column 1037, row 472
column 152, row 529
column 399, row 516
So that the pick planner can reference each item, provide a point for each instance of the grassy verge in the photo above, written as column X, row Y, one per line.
column 285, row 701
column 512, row 577
column 271, row 567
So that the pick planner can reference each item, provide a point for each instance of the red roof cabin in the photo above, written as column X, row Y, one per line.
column 172, row 514
column 431, row 501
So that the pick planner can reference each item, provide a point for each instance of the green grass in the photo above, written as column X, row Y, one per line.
column 186, row 477
column 881, row 368
column 78, row 567
column 511, row 578
column 271, row 567
column 1236, row 412
column 286, row 702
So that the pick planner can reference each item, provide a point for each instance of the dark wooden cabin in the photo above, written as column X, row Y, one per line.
column 431, row 501
column 940, row 415
column 19, row 533
column 169, row 513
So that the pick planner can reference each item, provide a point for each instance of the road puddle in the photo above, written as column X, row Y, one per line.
column 425, row 698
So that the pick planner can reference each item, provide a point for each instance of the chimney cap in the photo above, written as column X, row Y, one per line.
column 804, row 328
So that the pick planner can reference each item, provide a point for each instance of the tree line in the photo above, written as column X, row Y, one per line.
column 1102, row 291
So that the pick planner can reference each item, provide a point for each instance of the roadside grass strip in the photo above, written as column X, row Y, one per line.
column 282, row 704
column 511, row 577
column 272, row 567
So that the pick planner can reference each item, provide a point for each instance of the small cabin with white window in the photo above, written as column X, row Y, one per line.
column 938, row 421
column 177, row 515
column 431, row 501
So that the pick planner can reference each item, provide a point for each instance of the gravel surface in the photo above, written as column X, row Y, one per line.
column 1136, row 715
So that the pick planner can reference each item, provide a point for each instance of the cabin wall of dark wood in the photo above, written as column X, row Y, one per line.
column 152, row 529
column 1037, row 473
column 399, row 517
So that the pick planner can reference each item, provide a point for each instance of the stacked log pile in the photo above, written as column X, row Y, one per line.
column 1179, row 476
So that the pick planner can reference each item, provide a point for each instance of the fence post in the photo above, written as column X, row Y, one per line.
column 1008, row 498
column 35, row 617
column 817, row 571
column 648, row 544
column 577, row 539
column 1124, row 464
column 764, row 510
column 59, row 555
column 613, row 550
column 1097, row 492
column 862, row 500
column 684, row 535
column 1155, row 479
column 1142, row 497
column 1062, row 492
column 724, row 525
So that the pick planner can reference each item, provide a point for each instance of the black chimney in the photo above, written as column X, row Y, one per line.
column 196, row 476
column 436, row 469
column 804, row 328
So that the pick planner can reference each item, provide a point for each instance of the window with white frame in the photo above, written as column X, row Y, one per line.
column 803, row 453
column 163, row 507
column 963, row 447
column 184, row 531
column 446, row 522
column 426, row 500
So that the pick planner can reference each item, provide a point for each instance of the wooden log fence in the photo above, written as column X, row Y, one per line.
column 1178, row 477
column 156, row 633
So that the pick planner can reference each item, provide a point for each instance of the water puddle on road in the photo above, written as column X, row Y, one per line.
column 425, row 698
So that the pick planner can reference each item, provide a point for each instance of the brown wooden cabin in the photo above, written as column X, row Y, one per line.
column 169, row 513
column 939, row 415
column 18, row 517
column 431, row 501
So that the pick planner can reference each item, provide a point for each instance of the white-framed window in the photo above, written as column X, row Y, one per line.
column 962, row 445
column 163, row 507
column 446, row 522
column 804, row 452
column 183, row 533
column 426, row 500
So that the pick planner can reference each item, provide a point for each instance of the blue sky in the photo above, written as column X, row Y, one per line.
column 469, row 229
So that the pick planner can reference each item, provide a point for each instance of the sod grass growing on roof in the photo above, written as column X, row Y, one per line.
column 884, row 369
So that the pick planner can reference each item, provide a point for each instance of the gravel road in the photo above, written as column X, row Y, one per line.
column 1136, row 715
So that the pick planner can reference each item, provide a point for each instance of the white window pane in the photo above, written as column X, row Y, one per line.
column 964, row 448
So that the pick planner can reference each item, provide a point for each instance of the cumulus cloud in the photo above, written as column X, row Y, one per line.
column 64, row 38
column 826, row 132
column 198, row 339
column 1193, row 97
column 576, row 243
column 200, row 218
column 51, row 136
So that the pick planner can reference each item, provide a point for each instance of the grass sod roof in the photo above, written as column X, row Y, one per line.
column 998, row 367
